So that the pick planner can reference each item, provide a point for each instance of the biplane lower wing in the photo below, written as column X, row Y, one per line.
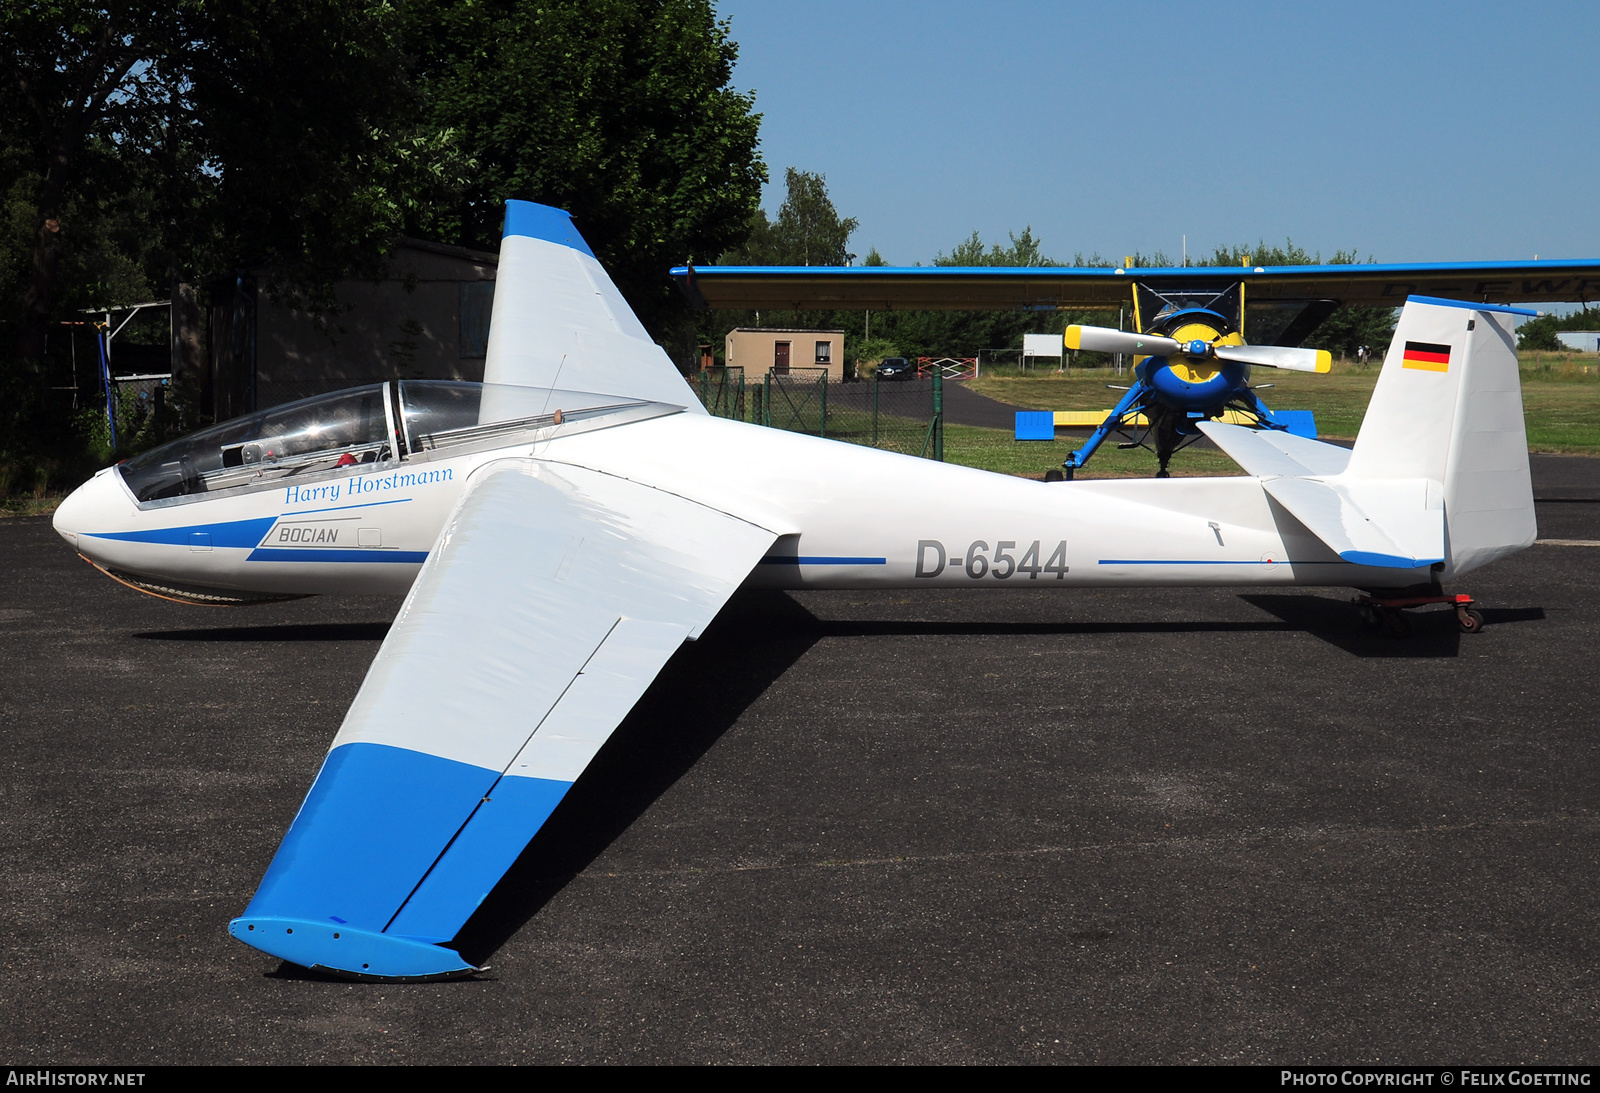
column 553, row 598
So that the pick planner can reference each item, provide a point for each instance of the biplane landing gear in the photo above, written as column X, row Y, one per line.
column 1385, row 613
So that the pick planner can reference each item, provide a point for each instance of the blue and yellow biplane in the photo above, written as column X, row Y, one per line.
column 1188, row 337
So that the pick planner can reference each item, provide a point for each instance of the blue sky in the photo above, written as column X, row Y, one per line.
column 1408, row 131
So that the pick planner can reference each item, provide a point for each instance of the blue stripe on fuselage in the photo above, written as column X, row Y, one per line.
column 311, row 554
column 342, row 508
column 234, row 533
column 1205, row 561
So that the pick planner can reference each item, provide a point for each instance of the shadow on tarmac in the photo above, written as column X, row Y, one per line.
column 709, row 684
column 1434, row 632
column 701, row 693
column 316, row 631
column 849, row 628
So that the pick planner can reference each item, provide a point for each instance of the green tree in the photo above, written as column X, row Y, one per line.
column 77, row 73
column 967, row 333
column 144, row 143
column 808, row 231
column 250, row 131
column 1540, row 333
column 1024, row 250
column 620, row 111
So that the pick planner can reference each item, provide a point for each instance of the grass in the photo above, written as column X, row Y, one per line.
column 30, row 506
column 997, row 450
column 1560, row 397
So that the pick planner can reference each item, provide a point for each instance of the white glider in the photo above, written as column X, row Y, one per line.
column 561, row 529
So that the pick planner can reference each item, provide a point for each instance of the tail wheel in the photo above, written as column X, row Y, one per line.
column 1399, row 626
column 1470, row 619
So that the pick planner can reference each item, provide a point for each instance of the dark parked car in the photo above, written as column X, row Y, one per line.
column 896, row 368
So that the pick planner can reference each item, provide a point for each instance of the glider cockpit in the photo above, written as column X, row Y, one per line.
column 324, row 436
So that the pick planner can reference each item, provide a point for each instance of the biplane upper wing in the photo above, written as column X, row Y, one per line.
column 553, row 598
column 1060, row 287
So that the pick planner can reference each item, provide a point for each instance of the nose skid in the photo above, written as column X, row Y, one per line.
column 98, row 520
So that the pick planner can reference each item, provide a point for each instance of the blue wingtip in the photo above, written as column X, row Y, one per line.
column 337, row 948
column 543, row 222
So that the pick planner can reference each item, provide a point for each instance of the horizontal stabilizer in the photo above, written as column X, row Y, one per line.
column 1386, row 524
column 1269, row 452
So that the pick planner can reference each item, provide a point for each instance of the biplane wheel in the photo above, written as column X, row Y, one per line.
column 1371, row 617
column 1399, row 626
column 1054, row 475
column 1470, row 619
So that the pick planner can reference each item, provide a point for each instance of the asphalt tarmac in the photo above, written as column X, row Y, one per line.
column 1007, row 826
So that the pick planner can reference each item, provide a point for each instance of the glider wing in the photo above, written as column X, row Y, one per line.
column 551, row 601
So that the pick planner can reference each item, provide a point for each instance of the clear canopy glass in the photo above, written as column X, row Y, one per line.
column 342, row 432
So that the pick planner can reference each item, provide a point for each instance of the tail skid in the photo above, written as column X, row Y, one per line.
column 1438, row 481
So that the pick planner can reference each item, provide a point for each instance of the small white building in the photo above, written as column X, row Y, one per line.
column 1584, row 341
column 760, row 350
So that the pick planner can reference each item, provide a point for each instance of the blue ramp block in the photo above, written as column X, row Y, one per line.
column 1036, row 425
column 1300, row 422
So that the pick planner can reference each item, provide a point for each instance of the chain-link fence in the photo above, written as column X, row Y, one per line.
column 904, row 416
column 721, row 391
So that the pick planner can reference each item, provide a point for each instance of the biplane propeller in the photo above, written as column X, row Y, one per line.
column 1191, row 366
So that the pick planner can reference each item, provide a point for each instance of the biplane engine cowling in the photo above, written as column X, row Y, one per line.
column 1196, row 381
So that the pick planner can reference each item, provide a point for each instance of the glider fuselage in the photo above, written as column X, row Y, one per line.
column 846, row 517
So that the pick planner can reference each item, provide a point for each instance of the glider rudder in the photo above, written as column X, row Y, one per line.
column 558, row 322
column 1448, row 408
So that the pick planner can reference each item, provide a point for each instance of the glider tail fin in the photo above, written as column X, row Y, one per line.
column 1448, row 409
column 559, row 322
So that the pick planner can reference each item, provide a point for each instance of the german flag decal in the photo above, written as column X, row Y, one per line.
column 1426, row 356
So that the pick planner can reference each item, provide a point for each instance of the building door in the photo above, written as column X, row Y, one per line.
column 780, row 358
